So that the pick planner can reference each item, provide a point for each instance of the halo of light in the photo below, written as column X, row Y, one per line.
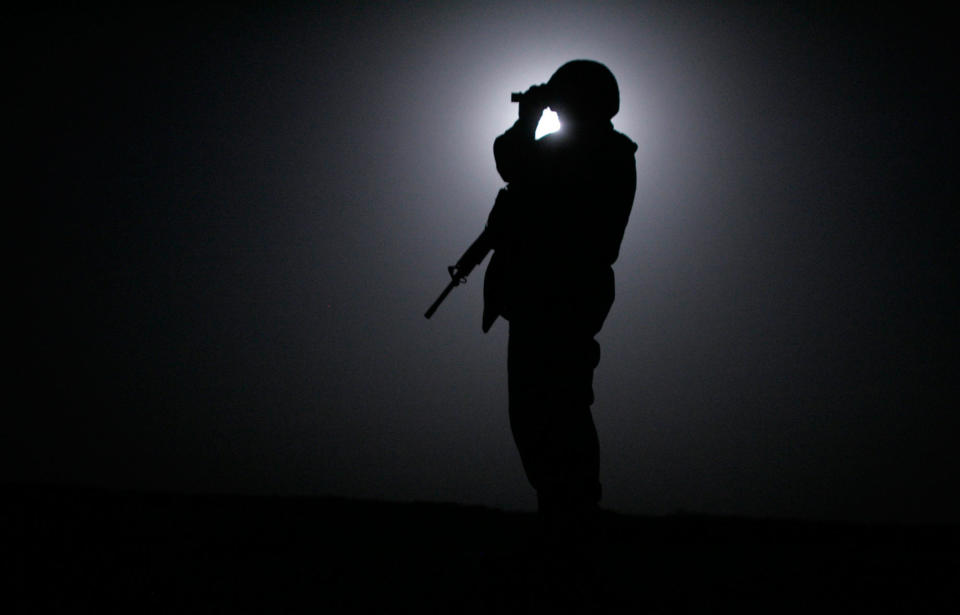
column 549, row 123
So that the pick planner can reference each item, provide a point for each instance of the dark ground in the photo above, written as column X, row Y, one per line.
column 84, row 550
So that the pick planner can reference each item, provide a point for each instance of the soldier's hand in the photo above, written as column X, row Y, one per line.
column 532, row 104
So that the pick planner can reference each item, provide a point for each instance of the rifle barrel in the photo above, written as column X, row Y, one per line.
column 477, row 251
column 443, row 295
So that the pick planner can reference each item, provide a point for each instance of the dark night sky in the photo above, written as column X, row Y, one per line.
column 236, row 217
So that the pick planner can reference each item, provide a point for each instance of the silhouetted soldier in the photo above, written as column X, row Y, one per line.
column 555, row 231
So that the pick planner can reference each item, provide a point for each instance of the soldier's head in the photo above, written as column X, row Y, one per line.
column 584, row 92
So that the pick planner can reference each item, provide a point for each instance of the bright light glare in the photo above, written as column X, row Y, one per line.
column 549, row 122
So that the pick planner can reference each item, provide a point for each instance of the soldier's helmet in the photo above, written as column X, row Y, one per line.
column 586, row 89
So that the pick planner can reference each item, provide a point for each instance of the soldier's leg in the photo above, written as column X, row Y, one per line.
column 550, row 397
column 550, row 386
column 573, row 481
column 528, row 412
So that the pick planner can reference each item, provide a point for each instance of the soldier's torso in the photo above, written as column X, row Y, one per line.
column 561, row 230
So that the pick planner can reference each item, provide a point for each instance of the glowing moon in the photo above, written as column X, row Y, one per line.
column 549, row 122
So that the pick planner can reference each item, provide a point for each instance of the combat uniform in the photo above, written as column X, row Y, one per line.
column 556, row 230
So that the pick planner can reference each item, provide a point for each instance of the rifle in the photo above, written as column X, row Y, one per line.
column 471, row 258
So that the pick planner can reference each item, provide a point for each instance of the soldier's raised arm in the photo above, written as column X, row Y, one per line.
column 514, row 149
